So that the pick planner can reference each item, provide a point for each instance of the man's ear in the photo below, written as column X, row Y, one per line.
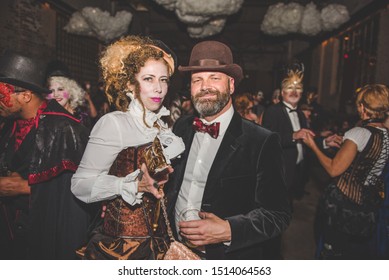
column 27, row 96
column 232, row 85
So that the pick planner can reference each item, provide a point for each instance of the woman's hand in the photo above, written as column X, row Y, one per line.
column 148, row 184
column 308, row 140
column 334, row 141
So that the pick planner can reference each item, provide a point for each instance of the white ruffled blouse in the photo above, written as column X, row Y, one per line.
column 114, row 132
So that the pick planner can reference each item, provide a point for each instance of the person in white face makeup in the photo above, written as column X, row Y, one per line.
column 136, row 71
column 66, row 92
column 70, row 95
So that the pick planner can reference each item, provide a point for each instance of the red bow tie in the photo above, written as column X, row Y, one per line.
column 211, row 129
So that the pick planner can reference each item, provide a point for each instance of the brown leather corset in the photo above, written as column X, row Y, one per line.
column 122, row 219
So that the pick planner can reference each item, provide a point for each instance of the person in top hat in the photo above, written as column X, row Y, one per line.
column 67, row 92
column 232, row 169
column 40, row 216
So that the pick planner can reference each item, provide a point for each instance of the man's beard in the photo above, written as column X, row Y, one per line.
column 210, row 107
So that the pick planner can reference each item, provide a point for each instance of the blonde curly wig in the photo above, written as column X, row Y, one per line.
column 120, row 63
column 77, row 94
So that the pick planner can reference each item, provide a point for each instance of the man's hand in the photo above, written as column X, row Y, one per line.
column 13, row 185
column 309, row 141
column 302, row 134
column 334, row 141
column 209, row 230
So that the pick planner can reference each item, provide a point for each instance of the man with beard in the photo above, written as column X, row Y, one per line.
column 39, row 216
column 232, row 170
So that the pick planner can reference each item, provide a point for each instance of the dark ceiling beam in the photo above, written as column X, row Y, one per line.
column 59, row 6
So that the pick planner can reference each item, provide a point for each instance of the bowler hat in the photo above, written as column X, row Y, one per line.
column 22, row 71
column 213, row 56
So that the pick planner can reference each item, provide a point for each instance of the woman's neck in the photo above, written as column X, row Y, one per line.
column 373, row 122
column 67, row 107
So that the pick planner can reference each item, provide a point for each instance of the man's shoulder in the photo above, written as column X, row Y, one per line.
column 184, row 120
column 55, row 118
column 273, row 114
column 56, row 111
column 274, row 108
column 254, row 130
column 254, row 136
column 183, row 123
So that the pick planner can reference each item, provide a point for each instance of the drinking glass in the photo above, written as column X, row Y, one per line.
column 189, row 214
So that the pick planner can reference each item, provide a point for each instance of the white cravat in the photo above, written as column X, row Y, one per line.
column 294, row 118
column 201, row 156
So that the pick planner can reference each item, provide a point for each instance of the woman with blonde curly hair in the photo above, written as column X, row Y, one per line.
column 70, row 95
column 350, row 204
column 136, row 72
column 66, row 92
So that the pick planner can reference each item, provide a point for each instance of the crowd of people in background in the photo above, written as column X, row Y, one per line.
column 54, row 181
column 320, row 137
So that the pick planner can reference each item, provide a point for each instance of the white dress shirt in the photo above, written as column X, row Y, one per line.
column 114, row 132
column 294, row 118
column 201, row 156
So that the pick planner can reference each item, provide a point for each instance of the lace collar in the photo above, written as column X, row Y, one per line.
column 136, row 109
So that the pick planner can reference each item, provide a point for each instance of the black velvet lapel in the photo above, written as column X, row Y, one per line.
column 227, row 149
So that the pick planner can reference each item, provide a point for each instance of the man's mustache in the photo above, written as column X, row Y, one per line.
column 204, row 92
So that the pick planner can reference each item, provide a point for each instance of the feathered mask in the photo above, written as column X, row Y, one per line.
column 294, row 74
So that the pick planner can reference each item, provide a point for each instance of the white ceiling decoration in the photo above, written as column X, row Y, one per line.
column 203, row 18
column 94, row 22
column 282, row 19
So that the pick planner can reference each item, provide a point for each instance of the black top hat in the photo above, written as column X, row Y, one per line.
column 22, row 71
column 57, row 68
